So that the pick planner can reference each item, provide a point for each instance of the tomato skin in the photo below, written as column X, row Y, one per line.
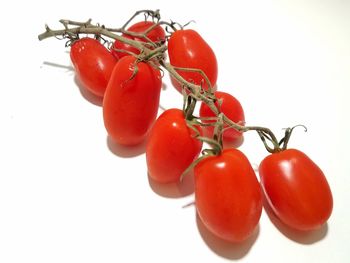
column 187, row 49
column 232, row 108
column 157, row 34
column 93, row 64
column 171, row 147
column 228, row 195
column 123, row 46
column 130, row 106
column 296, row 189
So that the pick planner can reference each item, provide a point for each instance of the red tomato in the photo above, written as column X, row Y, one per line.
column 130, row 105
column 296, row 189
column 187, row 49
column 123, row 46
column 171, row 147
column 93, row 64
column 232, row 109
column 157, row 34
column 228, row 195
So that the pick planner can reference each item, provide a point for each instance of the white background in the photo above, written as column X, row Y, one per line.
column 69, row 195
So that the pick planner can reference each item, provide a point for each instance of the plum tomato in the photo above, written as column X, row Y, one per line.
column 171, row 147
column 157, row 34
column 228, row 195
column 130, row 105
column 296, row 189
column 93, row 64
column 232, row 108
column 187, row 49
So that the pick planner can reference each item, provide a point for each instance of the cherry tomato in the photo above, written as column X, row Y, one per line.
column 228, row 195
column 157, row 34
column 296, row 189
column 171, row 147
column 232, row 108
column 187, row 49
column 131, row 102
column 93, row 64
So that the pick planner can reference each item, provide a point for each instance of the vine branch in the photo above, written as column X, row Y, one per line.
column 150, row 50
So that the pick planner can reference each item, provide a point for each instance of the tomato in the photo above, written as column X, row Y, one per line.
column 123, row 46
column 296, row 189
column 232, row 108
column 228, row 195
column 171, row 147
column 130, row 104
column 93, row 64
column 157, row 34
column 187, row 49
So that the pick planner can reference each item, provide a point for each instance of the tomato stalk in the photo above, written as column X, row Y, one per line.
column 86, row 28
column 219, row 126
column 288, row 133
column 189, row 107
column 201, row 72
column 155, row 14
column 155, row 52
column 209, row 98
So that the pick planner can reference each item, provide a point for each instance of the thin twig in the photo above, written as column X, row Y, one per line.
column 150, row 50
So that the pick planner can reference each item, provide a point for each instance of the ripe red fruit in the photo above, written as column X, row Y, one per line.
column 93, row 64
column 232, row 108
column 130, row 105
column 296, row 189
column 171, row 147
column 157, row 34
column 228, row 195
column 187, row 49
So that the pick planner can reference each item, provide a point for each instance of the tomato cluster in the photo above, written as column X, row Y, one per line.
column 228, row 194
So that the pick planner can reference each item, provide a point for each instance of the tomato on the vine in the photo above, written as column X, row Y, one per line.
column 118, row 45
column 93, row 64
column 187, row 49
column 228, row 195
column 296, row 189
column 171, row 147
column 130, row 105
column 232, row 108
column 157, row 34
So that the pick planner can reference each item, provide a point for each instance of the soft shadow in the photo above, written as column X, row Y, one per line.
column 224, row 248
column 90, row 97
column 255, row 167
column 56, row 65
column 125, row 151
column 235, row 143
column 302, row 237
column 173, row 190
column 162, row 108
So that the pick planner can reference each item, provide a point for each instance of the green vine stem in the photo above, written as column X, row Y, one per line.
column 218, row 131
column 201, row 72
column 200, row 95
column 149, row 51
column 87, row 28
column 155, row 14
